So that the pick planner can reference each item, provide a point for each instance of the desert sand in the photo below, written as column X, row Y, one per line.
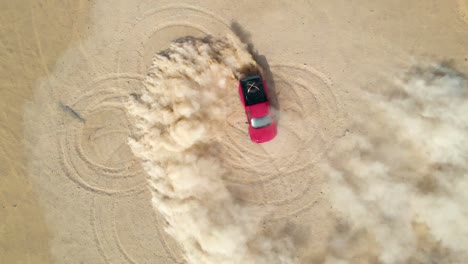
column 369, row 165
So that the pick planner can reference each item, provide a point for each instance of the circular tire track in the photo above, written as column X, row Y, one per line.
column 281, row 173
column 309, row 122
column 170, row 22
column 278, row 173
column 131, row 234
column 94, row 142
column 287, row 197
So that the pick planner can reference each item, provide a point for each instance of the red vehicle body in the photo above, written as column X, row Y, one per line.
column 253, row 92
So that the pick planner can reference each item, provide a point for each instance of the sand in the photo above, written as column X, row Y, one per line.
column 72, row 191
column 33, row 34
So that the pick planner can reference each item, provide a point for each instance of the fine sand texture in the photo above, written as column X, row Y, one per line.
column 33, row 35
column 369, row 165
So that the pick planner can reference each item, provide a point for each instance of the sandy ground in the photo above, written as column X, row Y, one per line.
column 33, row 34
column 71, row 189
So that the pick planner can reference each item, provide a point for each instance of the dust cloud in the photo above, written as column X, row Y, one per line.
column 399, row 178
column 179, row 116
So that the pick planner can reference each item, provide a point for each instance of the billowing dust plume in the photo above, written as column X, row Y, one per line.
column 178, row 118
column 400, row 177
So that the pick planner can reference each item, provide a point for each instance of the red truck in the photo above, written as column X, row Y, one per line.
column 253, row 92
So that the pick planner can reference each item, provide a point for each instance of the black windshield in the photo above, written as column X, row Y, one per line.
column 253, row 90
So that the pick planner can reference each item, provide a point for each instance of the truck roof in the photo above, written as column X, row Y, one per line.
column 253, row 90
